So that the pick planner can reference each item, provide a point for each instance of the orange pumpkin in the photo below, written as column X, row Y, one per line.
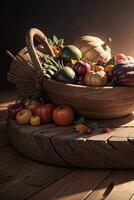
column 108, row 68
column 97, row 79
column 99, row 68
column 63, row 115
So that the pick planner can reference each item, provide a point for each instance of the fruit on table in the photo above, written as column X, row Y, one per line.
column 14, row 109
column 63, row 115
column 97, row 79
column 70, row 52
column 31, row 104
column 66, row 74
column 45, row 112
column 23, row 117
column 81, row 68
column 35, row 120
column 123, row 73
column 120, row 58
column 93, row 48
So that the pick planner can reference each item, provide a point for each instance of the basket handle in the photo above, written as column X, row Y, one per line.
column 32, row 34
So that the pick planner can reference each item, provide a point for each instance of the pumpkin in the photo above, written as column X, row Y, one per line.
column 98, row 78
column 45, row 112
column 63, row 115
column 94, row 49
column 99, row 68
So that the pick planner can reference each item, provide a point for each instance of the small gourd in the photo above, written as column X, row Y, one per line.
column 96, row 79
column 94, row 49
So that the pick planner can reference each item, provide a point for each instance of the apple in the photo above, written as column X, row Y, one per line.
column 35, row 120
column 23, row 117
column 120, row 57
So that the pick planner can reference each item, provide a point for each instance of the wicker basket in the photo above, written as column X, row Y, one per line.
column 92, row 102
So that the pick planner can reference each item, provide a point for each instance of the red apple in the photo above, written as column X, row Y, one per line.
column 120, row 58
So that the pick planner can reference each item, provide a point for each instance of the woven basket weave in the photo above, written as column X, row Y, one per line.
column 101, row 102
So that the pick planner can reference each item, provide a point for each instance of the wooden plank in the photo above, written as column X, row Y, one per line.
column 43, row 140
column 3, row 125
column 3, row 139
column 22, row 178
column 34, row 142
column 6, row 96
column 127, row 121
column 123, row 182
column 75, row 186
column 92, row 151
column 7, row 153
column 124, row 146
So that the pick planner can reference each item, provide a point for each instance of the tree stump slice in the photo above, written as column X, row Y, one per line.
column 62, row 146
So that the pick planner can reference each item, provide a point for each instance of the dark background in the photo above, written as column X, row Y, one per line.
column 68, row 19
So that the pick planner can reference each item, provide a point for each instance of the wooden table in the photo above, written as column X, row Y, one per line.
column 24, row 179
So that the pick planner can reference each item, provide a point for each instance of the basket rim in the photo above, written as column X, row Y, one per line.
column 88, row 87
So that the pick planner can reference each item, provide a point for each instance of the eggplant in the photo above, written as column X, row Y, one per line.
column 126, row 81
column 123, row 73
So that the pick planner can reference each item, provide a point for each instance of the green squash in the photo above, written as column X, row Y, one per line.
column 66, row 75
column 70, row 52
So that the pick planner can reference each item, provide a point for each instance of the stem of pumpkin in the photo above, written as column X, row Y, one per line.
column 109, row 40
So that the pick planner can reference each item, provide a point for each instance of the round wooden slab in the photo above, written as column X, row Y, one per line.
column 64, row 147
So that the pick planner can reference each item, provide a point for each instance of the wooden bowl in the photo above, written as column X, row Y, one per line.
column 93, row 102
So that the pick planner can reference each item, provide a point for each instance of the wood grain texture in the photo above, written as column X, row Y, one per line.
column 123, row 187
column 64, row 147
column 75, row 186
column 22, row 178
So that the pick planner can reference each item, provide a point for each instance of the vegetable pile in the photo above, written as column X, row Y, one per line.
column 79, row 66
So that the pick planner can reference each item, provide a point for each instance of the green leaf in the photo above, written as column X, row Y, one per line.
column 111, row 61
column 79, row 120
column 50, row 41
column 94, row 125
column 55, row 40
column 61, row 41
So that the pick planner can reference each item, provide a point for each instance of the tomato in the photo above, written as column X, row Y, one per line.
column 63, row 115
column 45, row 112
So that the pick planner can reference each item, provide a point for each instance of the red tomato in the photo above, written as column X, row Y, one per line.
column 63, row 115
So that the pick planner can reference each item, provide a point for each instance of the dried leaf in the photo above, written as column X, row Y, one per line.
column 80, row 128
